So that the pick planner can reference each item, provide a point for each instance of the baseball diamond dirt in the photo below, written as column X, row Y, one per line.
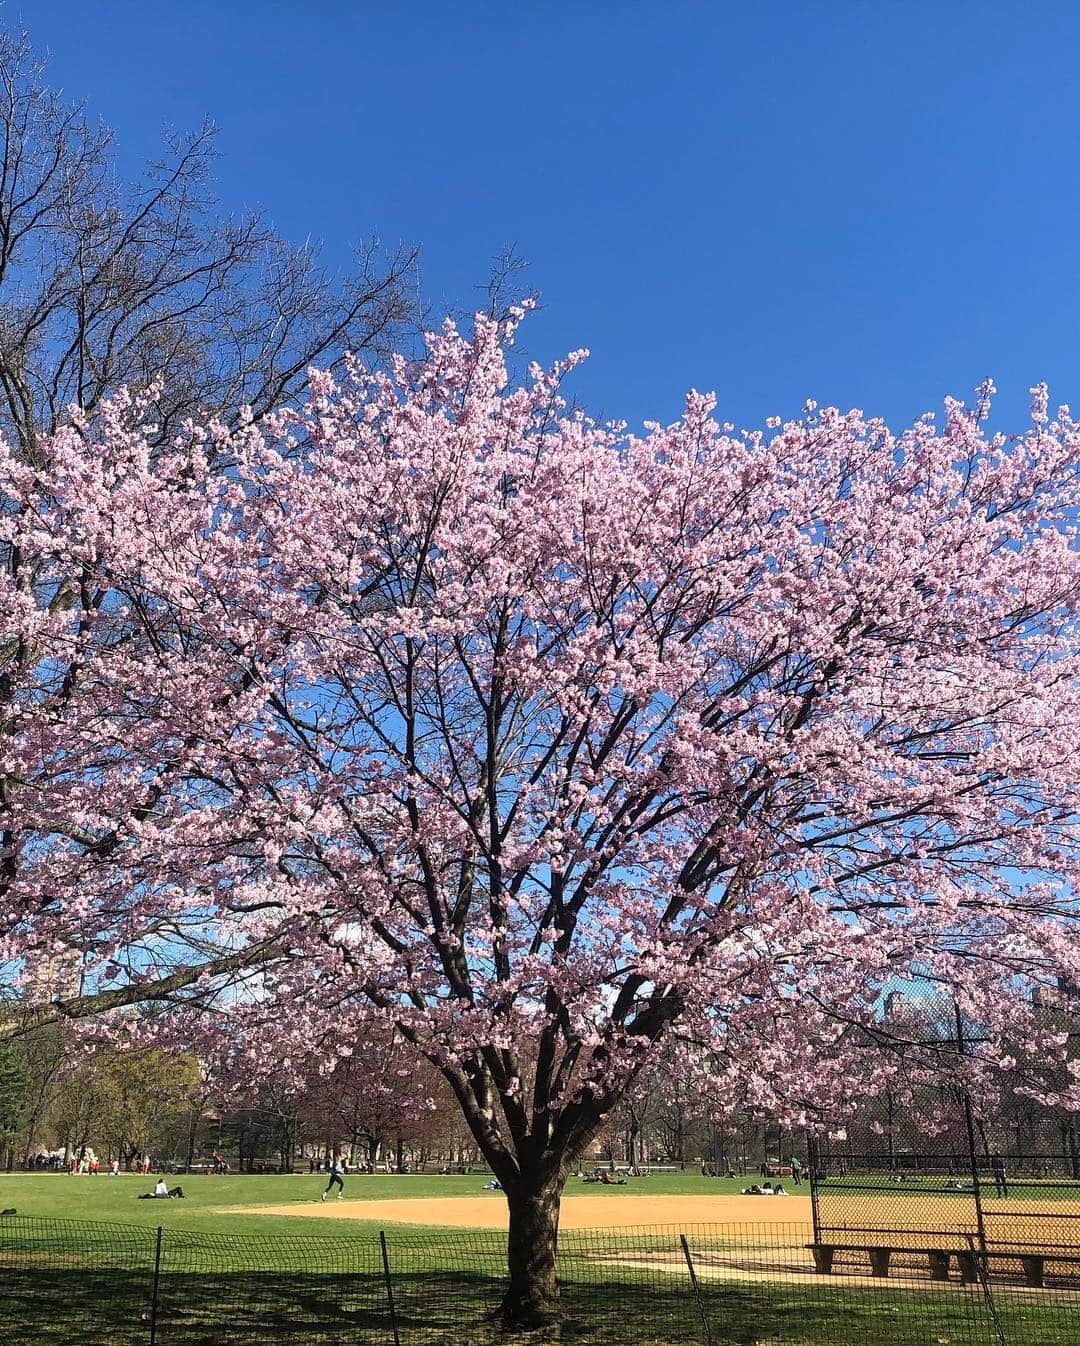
column 584, row 1211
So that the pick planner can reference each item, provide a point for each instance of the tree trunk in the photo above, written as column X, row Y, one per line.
column 193, row 1132
column 532, row 1298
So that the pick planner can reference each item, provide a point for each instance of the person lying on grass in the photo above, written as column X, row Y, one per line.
column 161, row 1190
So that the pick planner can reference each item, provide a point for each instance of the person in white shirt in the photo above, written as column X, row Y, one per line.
column 161, row 1190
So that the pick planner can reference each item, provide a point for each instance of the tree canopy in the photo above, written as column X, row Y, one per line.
column 541, row 739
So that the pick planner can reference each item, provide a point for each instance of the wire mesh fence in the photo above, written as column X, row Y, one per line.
column 921, row 1202
column 959, row 1167
column 217, row 1289
column 964, row 1145
column 94, row 1282
column 80, row 1284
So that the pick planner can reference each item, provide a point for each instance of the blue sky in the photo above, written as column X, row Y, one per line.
column 872, row 204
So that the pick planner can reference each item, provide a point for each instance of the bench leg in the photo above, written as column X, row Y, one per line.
column 968, row 1273
column 939, row 1266
column 879, row 1261
column 1033, row 1271
column 823, row 1258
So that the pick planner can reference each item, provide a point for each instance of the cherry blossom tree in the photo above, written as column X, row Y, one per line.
column 542, row 739
column 361, row 1083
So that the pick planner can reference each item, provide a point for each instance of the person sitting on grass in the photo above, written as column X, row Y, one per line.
column 161, row 1190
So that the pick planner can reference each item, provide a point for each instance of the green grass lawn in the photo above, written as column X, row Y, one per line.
column 115, row 1199
column 1021, row 1189
column 255, row 1280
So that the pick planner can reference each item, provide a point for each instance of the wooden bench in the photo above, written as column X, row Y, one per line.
column 1032, row 1261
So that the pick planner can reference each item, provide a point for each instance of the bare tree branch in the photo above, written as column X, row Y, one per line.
column 106, row 283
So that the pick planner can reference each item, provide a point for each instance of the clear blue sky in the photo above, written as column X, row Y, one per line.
column 869, row 203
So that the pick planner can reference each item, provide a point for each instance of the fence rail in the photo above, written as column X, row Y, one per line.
column 71, row 1283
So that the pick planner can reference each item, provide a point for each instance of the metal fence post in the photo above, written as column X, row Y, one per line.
column 973, row 1157
column 812, row 1174
column 389, row 1287
column 156, row 1288
column 696, row 1289
column 983, row 1272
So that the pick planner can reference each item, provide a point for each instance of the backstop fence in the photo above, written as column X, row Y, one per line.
column 69, row 1283
column 960, row 1160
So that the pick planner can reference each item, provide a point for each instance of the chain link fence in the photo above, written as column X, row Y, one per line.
column 960, row 1162
column 66, row 1283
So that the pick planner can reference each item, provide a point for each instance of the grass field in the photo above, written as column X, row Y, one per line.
column 233, row 1273
column 207, row 1198
column 217, row 1204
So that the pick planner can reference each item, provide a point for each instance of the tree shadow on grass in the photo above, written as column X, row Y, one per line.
column 249, row 1308
column 76, row 1306
column 448, row 1309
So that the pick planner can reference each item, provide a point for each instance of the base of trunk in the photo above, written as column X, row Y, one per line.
column 532, row 1298
column 529, row 1314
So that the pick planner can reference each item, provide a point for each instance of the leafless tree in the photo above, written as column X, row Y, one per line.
column 105, row 282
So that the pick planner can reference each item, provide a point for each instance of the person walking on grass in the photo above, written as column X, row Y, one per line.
column 337, row 1175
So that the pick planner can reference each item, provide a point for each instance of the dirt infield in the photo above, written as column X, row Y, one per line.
column 488, row 1211
column 931, row 1222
